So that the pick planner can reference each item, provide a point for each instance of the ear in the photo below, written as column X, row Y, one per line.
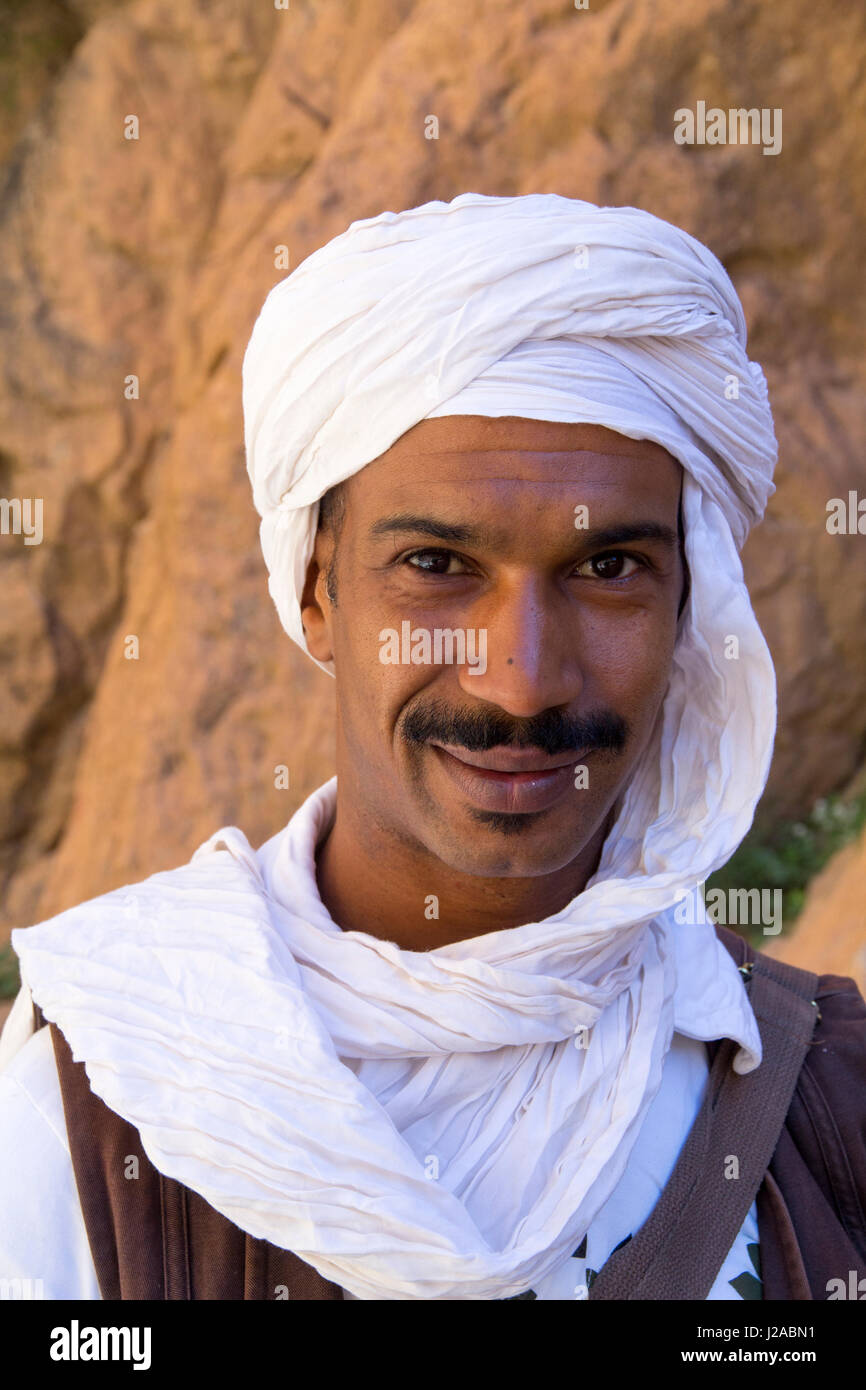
column 316, row 607
column 687, row 578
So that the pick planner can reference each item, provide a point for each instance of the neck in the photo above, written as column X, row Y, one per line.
column 370, row 882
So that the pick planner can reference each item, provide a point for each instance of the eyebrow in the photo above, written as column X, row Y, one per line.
column 459, row 533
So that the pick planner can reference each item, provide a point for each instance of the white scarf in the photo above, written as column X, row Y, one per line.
column 415, row 1125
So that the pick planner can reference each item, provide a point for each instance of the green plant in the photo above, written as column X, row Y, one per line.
column 792, row 854
column 10, row 980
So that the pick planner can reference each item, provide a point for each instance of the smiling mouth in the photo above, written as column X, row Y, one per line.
column 517, row 780
column 510, row 762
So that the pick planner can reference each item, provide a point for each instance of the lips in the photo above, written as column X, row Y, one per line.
column 507, row 779
column 508, row 760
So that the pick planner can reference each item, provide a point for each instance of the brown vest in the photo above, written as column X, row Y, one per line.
column 153, row 1238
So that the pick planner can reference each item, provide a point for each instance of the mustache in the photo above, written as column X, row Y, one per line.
column 553, row 731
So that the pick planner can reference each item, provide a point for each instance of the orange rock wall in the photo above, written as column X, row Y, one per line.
column 261, row 127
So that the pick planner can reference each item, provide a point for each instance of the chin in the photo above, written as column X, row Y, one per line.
column 518, row 849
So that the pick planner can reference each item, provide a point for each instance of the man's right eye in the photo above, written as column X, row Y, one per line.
column 437, row 561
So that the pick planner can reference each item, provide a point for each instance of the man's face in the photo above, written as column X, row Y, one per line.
column 553, row 548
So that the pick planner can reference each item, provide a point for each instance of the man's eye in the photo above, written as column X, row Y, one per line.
column 434, row 561
column 610, row 566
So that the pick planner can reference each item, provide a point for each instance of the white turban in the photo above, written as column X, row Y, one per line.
column 540, row 306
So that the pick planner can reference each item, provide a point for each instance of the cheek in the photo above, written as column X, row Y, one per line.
column 373, row 692
column 627, row 664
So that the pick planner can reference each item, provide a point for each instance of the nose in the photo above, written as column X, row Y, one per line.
column 532, row 661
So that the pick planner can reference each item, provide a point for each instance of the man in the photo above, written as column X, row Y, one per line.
column 446, row 1035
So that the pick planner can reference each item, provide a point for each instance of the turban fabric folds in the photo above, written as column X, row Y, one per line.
column 598, row 315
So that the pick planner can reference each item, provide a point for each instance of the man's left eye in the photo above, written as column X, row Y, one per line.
column 610, row 566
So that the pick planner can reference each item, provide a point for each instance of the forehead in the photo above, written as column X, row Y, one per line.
column 513, row 454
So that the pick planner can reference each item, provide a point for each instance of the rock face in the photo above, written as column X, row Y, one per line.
column 261, row 128
column 829, row 936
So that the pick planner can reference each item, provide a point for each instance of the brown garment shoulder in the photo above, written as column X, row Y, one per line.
column 812, row 1202
column 151, row 1237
